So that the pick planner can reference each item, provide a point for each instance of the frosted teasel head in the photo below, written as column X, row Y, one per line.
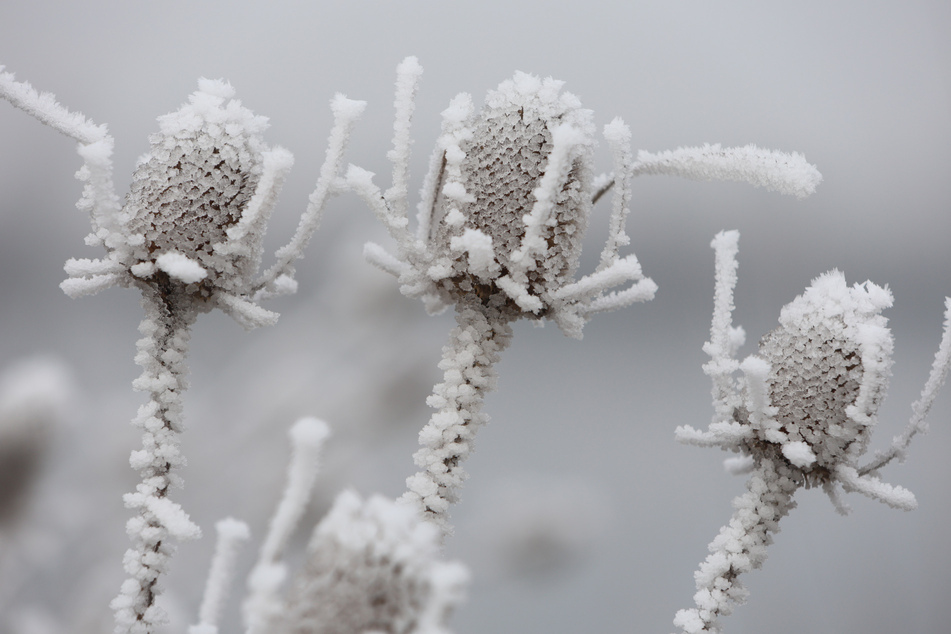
column 191, row 191
column 829, row 364
column 505, row 206
column 194, row 219
column 373, row 566
column 810, row 398
column 481, row 228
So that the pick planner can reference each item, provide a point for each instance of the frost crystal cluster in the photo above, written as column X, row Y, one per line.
column 801, row 415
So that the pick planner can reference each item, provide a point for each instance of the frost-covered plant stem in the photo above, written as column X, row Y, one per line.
column 161, row 354
column 741, row 546
column 468, row 364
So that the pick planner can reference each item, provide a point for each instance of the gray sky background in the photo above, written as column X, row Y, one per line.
column 863, row 89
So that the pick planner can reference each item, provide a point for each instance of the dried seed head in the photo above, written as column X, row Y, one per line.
column 829, row 367
column 373, row 566
column 482, row 216
column 201, row 170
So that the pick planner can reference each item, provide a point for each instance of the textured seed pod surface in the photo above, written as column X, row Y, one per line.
column 505, row 159
column 829, row 367
column 201, row 170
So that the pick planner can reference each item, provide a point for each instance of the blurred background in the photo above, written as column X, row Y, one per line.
column 582, row 513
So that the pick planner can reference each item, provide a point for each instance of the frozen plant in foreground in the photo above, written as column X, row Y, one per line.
column 500, row 225
column 373, row 566
column 801, row 416
column 189, row 238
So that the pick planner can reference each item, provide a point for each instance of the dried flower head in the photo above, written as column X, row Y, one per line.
column 195, row 184
column 481, row 228
column 505, row 206
column 373, row 566
column 810, row 398
column 829, row 367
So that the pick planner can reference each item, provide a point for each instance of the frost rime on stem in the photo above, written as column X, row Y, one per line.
column 740, row 547
column 162, row 349
column 475, row 345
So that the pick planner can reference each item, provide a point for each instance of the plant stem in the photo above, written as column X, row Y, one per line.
column 741, row 545
column 475, row 345
column 161, row 354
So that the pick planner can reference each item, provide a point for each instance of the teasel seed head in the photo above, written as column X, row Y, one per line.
column 194, row 184
column 483, row 227
column 829, row 363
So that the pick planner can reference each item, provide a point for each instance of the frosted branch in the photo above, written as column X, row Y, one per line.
column 407, row 82
column 776, row 171
column 474, row 347
column 921, row 407
column 161, row 354
column 346, row 112
column 641, row 291
column 618, row 135
column 44, row 108
column 231, row 534
column 383, row 260
column 739, row 548
column 720, row 347
column 895, row 496
column 361, row 182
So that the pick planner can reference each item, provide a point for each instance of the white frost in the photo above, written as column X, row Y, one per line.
column 181, row 267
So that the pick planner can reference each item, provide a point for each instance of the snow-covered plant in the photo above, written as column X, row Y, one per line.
column 800, row 416
column 189, row 238
column 500, row 224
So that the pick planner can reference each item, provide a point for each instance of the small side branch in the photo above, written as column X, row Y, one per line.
column 43, row 107
column 776, row 171
column 618, row 135
column 346, row 112
column 263, row 603
column 921, row 407
column 407, row 82
column 724, row 338
column 231, row 534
